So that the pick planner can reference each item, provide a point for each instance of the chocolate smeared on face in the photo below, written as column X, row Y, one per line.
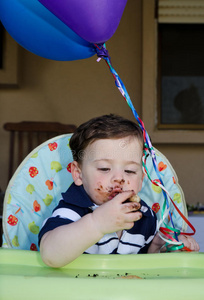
column 121, row 182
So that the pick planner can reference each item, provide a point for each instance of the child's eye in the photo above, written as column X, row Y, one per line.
column 130, row 172
column 104, row 169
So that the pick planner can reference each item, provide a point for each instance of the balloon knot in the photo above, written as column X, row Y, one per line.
column 102, row 52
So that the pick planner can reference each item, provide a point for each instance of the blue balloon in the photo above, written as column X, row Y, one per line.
column 36, row 29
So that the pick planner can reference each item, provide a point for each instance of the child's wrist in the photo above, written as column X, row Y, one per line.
column 95, row 226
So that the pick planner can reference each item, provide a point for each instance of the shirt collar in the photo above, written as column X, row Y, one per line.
column 146, row 210
column 77, row 195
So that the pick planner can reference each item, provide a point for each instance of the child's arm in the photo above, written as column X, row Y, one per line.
column 188, row 242
column 63, row 244
column 156, row 244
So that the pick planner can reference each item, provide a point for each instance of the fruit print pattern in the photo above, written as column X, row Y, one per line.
column 33, row 171
column 33, row 228
column 30, row 188
column 55, row 165
column 33, row 247
column 36, row 206
column 69, row 167
column 161, row 166
column 35, row 155
column 156, row 207
column 12, row 220
column 9, row 199
column 49, row 184
column 156, row 188
column 15, row 241
column 177, row 198
column 48, row 200
column 37, row 189
column 52, row 146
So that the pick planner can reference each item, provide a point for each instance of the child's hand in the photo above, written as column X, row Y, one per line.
column 116, row 215
column 189, row 242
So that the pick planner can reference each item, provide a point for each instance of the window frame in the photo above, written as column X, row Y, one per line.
column 150, row 91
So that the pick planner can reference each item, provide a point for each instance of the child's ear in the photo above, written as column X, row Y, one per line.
column 76, row 173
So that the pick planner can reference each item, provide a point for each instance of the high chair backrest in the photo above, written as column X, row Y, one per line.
column 27, row 135
column 36, row 187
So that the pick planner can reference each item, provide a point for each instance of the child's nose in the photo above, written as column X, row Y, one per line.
column 120, row 181
column 118, row 177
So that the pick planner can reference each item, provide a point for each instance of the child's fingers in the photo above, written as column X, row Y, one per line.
column 193, row 244
column 189, row 242
column 121, row 197
column 127, row 206
column 134, row 216
column 131, row 206
column 131, row 218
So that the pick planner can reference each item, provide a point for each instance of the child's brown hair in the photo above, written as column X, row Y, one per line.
column 103, row 127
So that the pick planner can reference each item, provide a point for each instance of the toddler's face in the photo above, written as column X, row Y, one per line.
column 111, row 166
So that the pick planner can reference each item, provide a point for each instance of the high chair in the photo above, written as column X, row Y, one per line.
column 36, row 187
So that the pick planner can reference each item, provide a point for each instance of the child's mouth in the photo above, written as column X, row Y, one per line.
column 114, row 192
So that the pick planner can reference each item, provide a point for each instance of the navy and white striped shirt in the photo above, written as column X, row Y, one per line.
column 76, row 203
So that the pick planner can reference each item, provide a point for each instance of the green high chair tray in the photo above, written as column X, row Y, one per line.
column 23, row 275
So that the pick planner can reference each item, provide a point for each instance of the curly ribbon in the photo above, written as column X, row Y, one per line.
column 169, row 234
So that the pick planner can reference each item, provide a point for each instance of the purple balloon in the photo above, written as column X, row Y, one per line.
column 93, row 20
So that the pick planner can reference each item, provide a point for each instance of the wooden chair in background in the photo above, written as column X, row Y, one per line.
column 27, row 135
